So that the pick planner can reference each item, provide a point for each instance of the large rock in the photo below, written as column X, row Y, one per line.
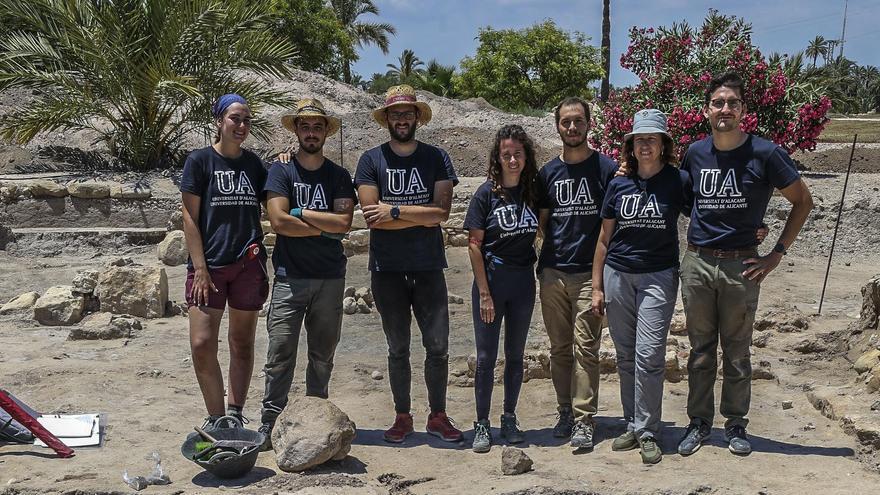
column 105, row 326
column 172, row 250
column 309, row 432
column 514, row 461
column 85, row 282
column 45, row 188
column 24, row 302
column 175, row 221
column 867, row 361
column 359, row 240
column 89, row 190
column 59, row 306
column 870, row 304
column 130, row 191
column 133, row 290
column 357, row 220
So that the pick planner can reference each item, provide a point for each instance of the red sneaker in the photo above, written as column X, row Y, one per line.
column 441, row 425
column 402, row 428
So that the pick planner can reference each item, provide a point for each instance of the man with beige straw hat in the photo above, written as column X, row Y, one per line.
column 405, row 189
column 310, row 204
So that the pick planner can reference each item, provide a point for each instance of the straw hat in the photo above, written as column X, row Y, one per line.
column 648, row 121
column 310, row 107
column 402, row 95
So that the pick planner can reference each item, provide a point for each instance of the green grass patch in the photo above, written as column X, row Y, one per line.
column 841, row 131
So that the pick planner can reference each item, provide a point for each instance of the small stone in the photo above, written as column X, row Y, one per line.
column 454, row 299
column 376, row 375
column 365, row 294
column 349, row 306
column 847, row 263
column 875, row 406
column 85, row 282
column 809, row 427
column 123, row 261
column 130, row 191
column 791, row 263
column 349, row 291
column 363, row 308
column 514, row 461
column 761, row 340
column 89, row 190
column 787, row 404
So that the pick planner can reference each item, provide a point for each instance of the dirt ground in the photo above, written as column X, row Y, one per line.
column 146, row 387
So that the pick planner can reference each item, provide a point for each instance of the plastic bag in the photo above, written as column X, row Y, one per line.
column 156, row 477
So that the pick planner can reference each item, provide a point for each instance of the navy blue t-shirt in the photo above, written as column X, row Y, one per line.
column 645, row 237
column 405, row 180
column 313, row 256
column 509, row 226
column 732, row 188
column 231, row 191
column 573, row 193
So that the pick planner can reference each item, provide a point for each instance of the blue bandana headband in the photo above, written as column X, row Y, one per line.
column 225, row 102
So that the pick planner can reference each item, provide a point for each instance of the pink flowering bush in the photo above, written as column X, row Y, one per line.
column 674, row 64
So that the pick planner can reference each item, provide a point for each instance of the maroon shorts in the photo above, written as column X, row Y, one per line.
column 243, row 284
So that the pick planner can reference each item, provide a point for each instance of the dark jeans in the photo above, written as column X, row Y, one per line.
column 395, row 293
column 319, row 303
column 513, row 294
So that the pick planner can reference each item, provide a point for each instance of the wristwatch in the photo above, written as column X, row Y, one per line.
column 780, row 248
column 395, row 212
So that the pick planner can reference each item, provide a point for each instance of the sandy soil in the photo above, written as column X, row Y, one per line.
column 146, row 387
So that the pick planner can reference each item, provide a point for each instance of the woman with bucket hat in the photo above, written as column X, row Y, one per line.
column 502, row 226
column 635, row 273
column 222, row 188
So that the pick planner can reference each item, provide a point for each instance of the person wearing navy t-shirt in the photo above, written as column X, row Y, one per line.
column 502, row 226
column 635, row 273
column 222, row 188
column 405, row 190
column 310, row 201
column 733, row 175
column 572, row 189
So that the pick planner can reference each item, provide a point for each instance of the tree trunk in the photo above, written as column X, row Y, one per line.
column 346, row 71
column 606, row 50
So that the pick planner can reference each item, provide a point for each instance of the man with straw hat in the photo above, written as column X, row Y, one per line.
column 310, row 204
column 405, row 189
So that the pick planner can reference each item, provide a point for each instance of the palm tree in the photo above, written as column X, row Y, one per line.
column 141, row 74
column 438, row 79
column 361, row 33
column 606, row 50
column 816, row 48
column 408, row 66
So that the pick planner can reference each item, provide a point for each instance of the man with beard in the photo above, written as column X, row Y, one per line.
column 733, row 175
column 405, row 188
column 573, row 187
column 310, row 204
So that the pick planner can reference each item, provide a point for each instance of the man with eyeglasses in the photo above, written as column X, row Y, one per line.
column 572, row 189
column 733, row 175
column 405, row 190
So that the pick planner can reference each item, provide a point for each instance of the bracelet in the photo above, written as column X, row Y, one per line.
column 296, row 212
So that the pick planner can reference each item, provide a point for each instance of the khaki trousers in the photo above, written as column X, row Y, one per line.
column 575, row 335
column 719, row 304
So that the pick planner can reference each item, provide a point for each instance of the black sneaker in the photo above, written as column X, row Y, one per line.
column 697, row 433
column 510, row 428
column 737, row 440
column 266, row 430
column 565, row 424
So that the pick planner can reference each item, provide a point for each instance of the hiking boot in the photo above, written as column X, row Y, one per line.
column 266, row 430
column 209, row 422
column 565, row 423
column 229, row 421
column 582, row 435
column 650, row 451
column 510, row 428
column 482, row 437
column 627, row 441
column 738, row 441
column 697, row 433
column 440, row 425
column 402, row 428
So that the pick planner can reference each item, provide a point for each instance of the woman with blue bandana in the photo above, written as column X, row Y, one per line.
column 222, row 188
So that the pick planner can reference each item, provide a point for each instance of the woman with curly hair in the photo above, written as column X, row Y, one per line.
column 502, row 226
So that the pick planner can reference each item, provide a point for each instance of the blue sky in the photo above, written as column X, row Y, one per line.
column 445, row 30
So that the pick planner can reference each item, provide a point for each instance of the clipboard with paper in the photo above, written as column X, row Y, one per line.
column 74, row 430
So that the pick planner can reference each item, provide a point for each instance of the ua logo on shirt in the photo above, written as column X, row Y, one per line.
column 630, row 207
column 566, row 195
column 227, row 184
column 399, row 183
column 709, row 186
column 305, row 198
column 507, row 220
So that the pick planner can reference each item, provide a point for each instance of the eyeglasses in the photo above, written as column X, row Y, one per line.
column 733, row 103
column 240, row 121
column 408, row 115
